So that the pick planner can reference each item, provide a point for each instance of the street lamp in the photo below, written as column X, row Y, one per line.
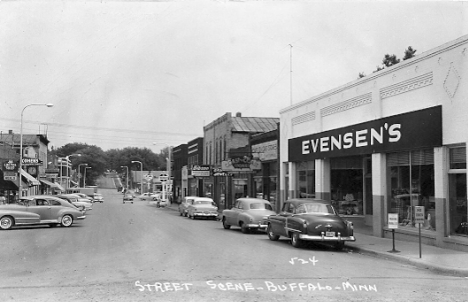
column 168, row 162
column 84, row 181
column 68, row 174
column 126, row 167
column 141, row 172
column 20, row 184
column 79, row 171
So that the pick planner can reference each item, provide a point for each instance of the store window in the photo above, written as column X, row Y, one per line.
column 347, row 184
column 411, row 183
column 306, row 179
column 458, row 192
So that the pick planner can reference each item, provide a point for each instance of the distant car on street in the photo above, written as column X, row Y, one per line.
column 202, row 207
column 186, row 202
column 128, row 197
column 248, row 214
column 40, row 209
column 149, row 196
column 310, row 220
column 97, row 197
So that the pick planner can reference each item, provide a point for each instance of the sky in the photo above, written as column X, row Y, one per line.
column 151, row 74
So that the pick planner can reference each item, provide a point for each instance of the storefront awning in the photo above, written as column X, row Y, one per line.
column 30, row 179
column 75, row 184
column 52, row 184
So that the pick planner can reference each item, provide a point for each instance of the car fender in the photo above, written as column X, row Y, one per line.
column 244, row 218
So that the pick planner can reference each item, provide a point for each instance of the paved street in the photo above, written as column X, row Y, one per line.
column 137, row 252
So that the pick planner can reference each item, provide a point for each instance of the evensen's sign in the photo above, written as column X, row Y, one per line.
column 413, row 130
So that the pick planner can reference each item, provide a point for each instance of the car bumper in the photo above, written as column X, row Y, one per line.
column 206, row 214
column 81, row 217
column 326, row 238
column 259, row 226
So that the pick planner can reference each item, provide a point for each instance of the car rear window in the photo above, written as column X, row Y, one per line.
column 261, row 206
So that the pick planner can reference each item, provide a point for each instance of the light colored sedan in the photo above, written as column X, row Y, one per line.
column 79, row 202
column 202, row 207
column 148, row 196
column 39, row 210
column 248, row 214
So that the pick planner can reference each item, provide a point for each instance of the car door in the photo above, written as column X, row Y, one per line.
column 228, row 213
column 235, row 212
column 41, row 207
column 279, row 221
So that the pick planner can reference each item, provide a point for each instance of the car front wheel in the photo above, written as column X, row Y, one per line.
column 6, row 222
column 295, row 240
column 66, row 221
column 272, row 235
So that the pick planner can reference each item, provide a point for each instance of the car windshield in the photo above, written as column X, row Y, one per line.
column 260, row 206
column 315, row 208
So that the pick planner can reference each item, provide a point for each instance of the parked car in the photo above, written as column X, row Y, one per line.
column 148, row 196
column 310, row 220
column 40, row 209
column 202, row 207
column 75, row 200
column 97, row 197
column 84, row 196
column 128, row 197
column 183, row 206
column 248, row 214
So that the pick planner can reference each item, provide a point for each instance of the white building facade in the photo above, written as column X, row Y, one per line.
column 388, row 143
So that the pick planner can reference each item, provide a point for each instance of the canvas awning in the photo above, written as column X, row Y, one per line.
column 30, row 178
column 52, row 184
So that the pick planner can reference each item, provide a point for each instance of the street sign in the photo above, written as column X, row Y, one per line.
column 392, row 220
column 419, row 214
column 149, row 177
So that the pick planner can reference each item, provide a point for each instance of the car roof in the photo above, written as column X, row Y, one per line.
column 298, row 201
column 253, row 200
column 203, row 198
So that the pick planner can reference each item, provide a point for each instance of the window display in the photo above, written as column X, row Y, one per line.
column 458, row 192
column 411, row 183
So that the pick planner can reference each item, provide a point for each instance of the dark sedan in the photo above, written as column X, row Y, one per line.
column 310, row 220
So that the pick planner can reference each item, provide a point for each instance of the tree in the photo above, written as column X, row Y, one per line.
column 91, row 155
column 379, row 68
column 409, row 53
column 390, row 60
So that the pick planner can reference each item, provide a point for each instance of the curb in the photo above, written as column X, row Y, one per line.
column 404, row 259
column 397, row 258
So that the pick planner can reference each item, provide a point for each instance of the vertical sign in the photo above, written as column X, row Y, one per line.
column 419, row 214
column 392, row 220
column 419, row 219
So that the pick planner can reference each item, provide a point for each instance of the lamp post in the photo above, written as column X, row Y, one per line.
column 141, row 174
column 20, row 183
column 126, row 167
column 168, row 163
column 79, row 171
column 67, row 158
column 84, row 181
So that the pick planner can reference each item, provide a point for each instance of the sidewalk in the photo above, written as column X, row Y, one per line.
column 439, row 260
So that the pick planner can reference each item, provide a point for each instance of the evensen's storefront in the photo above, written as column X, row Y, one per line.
column 387, row 143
